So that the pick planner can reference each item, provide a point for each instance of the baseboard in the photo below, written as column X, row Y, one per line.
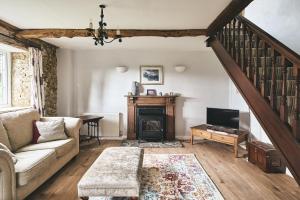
column 179, row 137
column 182, row 137
column 112, row 138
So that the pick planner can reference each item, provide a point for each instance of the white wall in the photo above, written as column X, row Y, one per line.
column 65, row 81
column 279, row 18
column 97, row 87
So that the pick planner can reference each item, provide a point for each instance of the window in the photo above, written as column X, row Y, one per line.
column 4, row 79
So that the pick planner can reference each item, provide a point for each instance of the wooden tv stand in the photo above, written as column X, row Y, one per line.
column 222, row 137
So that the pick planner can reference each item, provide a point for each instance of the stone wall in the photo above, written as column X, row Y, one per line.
column 20, row 80
column 50, row 79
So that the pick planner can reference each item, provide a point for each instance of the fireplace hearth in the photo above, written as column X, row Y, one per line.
column 151, row 123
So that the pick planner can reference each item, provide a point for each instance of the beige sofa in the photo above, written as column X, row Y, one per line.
column 35, row 162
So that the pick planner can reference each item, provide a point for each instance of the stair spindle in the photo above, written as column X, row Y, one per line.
column 226, row 37
column 221, row 35
column 218, row 35
column 244, row 66
column 250, row 62
column 256, row 75
column 239, row 43
column 229, row 39
column 264, row 85
column 234, row 39
column 296, row 117
column 283, row 103
column 273, row 94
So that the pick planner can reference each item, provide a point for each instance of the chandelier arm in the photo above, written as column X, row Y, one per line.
column 91, row 31
column 110, row 40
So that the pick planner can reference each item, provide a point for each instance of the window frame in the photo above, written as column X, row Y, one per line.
column 6, row 79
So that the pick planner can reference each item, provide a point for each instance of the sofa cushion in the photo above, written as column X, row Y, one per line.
column 4, row 137
column 48, row 131
column 61, row 147
column 33, row 163
column 19, row 126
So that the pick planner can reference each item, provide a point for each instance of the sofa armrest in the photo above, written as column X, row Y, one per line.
column 7, row 176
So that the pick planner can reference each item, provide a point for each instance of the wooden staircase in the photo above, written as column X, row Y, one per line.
column 267, row 73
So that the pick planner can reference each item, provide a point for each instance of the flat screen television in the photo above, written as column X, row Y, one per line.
column 223, row 117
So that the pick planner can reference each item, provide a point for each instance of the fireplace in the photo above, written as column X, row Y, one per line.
column 151, row 123
column 155, row 114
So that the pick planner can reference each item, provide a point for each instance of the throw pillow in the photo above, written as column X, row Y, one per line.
column 48, row 131
column 13, row 156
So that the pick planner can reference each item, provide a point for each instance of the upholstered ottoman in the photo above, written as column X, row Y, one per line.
column 116, row 172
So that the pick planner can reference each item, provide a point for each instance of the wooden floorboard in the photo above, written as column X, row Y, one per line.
column 235, row 177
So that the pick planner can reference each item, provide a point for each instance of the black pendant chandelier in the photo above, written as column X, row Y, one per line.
column 100, row 35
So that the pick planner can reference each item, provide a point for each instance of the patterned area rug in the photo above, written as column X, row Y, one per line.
column 144, row 144
column 174, row 177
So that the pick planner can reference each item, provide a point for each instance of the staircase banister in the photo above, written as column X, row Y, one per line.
column 280, row 134
column 282, row 49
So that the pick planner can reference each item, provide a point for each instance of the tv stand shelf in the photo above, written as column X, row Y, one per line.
column 221, row 137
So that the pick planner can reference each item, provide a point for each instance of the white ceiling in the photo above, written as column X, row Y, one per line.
column 122, row 14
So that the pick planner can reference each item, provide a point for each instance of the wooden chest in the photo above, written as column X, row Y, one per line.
column 266, row 157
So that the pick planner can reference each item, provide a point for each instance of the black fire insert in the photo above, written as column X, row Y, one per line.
column 151, row 123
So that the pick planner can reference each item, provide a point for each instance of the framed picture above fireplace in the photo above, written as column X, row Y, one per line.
column 151, row 74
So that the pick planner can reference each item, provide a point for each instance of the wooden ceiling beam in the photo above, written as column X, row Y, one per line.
column 12, row 42
column 70, row 33
column 8, row 36
column 7, row 29
column 234, row 8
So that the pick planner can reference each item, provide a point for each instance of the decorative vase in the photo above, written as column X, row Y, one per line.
column 135, row 88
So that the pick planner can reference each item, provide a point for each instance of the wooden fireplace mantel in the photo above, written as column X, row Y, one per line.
column 135, row 101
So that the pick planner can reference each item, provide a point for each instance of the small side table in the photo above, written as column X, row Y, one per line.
column 92, row 122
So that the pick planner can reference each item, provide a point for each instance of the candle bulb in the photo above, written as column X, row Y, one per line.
column 96, row 33
column 91, row 24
